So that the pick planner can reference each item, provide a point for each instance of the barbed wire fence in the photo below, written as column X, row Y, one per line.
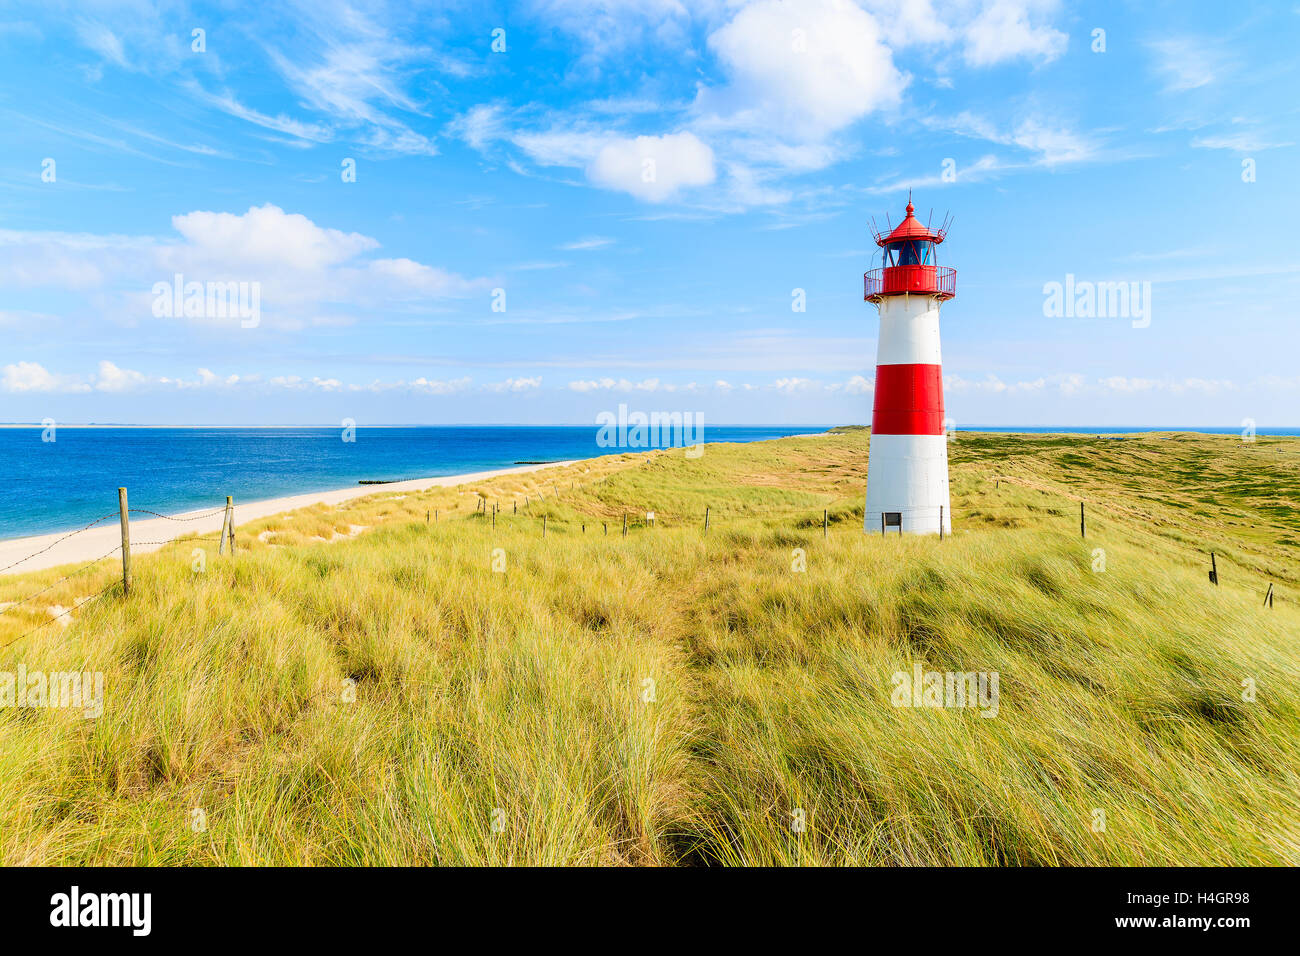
column 227, row 533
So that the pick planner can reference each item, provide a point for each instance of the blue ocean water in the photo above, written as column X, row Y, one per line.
column 64, row 484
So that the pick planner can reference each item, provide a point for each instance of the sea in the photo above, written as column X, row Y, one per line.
column 59, row 485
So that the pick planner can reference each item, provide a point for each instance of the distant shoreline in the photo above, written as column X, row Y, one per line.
column 91, row 544
column 591, row 425
column 1277, row 430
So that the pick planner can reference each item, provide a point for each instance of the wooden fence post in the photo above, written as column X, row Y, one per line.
column 1083, row 527
column 1214, row 570
column 232, row 525
column 625, row 524
column 882, row 524
column 225, row 527
column 706, row 517
column 824, row 510
column 126, row 543
column 1268, row 598
column 941, row 522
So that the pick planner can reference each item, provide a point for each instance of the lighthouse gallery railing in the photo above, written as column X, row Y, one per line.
column 918, row 279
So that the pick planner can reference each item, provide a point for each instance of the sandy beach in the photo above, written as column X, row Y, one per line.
column 103, row 538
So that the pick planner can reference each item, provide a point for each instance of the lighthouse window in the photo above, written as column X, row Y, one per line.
column 912, row 253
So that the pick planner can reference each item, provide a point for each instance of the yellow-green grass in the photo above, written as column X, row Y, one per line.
column 677, row 697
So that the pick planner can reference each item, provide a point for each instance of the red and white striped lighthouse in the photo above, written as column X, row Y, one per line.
column 907, row 465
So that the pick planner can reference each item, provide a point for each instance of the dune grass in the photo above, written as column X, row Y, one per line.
column 358, row 685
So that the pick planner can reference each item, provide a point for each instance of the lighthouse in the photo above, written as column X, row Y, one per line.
column 907, row 466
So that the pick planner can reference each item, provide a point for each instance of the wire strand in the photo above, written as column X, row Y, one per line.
column 64, row 538
column 156, row 514
column 56, row 617
column 80, row 570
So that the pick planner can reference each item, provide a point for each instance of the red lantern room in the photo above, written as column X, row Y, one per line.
column 910, row 266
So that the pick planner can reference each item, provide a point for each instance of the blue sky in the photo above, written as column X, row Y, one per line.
column 641, row 189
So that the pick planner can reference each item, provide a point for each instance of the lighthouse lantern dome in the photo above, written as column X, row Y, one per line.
column 910, row 267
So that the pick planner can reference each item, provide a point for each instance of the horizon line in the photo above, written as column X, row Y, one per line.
column 971, row 427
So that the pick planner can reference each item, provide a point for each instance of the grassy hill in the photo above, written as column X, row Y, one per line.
column 359, row 686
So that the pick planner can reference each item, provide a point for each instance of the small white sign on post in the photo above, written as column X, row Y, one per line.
column 650, row 516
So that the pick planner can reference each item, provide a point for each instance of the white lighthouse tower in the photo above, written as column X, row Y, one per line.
column 907, row 466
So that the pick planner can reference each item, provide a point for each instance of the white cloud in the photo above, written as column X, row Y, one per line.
column 306, row 274
column 1051, row 142
column 111, row 378
column 792, row 385
column 992, row 383
column 268, row 236
column 793, row 79
column 33, row 377
column 103, row 41
column 1186, row 63
column 207, row 378
column 114, row 379
column 1007, row 29
column 1120, row 383
column 857, row 385
column 1073, row 383
column 307, row 133
column 620, row 385
column 799, row 71
column 617, row 29
column 907, row 22
column 516, row 385
column 1242, row 141
column 561, row 147
column 344, row 66
column 479, row 126
column 405, row 277
column 653, row 168
column 587, row 243
column 440, row 387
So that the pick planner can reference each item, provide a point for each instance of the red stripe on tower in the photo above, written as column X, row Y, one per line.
column 909, row 400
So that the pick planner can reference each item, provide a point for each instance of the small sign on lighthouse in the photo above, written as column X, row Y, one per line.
column 907, row 464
